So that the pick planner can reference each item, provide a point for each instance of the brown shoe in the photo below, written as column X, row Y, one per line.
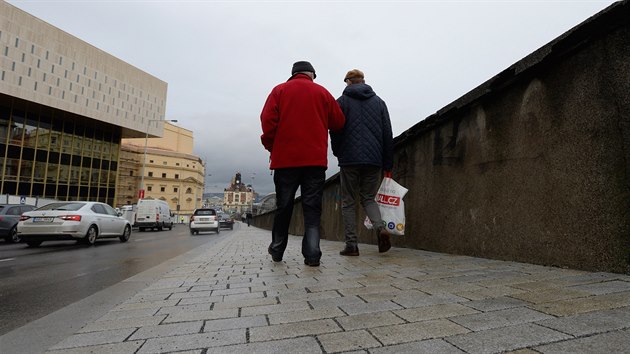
column 384, row 243
column 349, row 251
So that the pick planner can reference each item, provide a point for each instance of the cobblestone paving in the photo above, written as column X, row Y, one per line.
column 234, row 299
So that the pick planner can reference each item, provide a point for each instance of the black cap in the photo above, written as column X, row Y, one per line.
column 303, row 66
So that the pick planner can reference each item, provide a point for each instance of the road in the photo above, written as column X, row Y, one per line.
column 35, row 282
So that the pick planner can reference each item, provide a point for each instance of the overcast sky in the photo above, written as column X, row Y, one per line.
column 222, row 58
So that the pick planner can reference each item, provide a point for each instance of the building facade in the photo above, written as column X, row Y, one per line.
column 171, row 172
column 64, row 108
column 238, row 197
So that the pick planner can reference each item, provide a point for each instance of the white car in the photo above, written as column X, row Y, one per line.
column 204, row 219
column 81, row 221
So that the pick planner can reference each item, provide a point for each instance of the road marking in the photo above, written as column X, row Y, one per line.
column 6, row 259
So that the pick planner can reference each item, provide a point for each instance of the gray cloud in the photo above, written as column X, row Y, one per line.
column 222, row 58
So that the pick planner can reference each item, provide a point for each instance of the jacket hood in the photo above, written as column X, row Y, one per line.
column 359, row 91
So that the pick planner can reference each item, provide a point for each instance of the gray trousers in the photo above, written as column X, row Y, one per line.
column 363, row 180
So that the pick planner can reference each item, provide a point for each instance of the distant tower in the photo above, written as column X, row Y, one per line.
column 237, row 179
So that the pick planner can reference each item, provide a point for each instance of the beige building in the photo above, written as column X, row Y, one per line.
column 65, row 105
column 171, row 172
column 238, row 197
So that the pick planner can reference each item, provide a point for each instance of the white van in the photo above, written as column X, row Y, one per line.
column 153, row 214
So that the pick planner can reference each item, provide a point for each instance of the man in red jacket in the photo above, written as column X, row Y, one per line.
column 295, row 122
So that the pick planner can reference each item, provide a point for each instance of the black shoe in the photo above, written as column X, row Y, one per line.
column 349, row 251
column 274, row 258
column 384, row 244
column 311, row 262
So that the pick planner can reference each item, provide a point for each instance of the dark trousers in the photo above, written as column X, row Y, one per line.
column 310, row 180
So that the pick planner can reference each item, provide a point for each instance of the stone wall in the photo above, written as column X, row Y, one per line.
column 531, row 166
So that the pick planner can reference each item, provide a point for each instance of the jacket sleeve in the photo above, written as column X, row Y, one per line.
column 269, row 119
column 335, row 137
column 336, row 119
column 388, row 140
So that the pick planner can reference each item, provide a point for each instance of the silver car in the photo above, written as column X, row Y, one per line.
column 81, row 221
column 204, row 219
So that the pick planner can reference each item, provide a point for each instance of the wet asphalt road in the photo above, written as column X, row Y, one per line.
column 35, row 282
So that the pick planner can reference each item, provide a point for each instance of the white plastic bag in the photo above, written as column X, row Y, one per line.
column 391, row 205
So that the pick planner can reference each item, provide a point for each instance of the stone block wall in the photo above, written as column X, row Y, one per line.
column 531, row 166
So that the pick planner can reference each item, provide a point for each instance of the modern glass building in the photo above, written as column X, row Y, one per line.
column 55, row 154
column 64, row 108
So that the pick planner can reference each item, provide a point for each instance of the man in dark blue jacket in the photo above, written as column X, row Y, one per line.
column 364, row 149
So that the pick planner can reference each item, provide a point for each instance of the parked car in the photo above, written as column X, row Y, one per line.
column 81, row 221
column 226, row 221
column 204, row 219
column 9, row 217
column 153, row 214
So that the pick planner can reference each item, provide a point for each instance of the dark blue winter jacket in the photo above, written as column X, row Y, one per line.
column 366, row 138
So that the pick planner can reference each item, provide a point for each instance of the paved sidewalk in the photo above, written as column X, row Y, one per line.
column 233, row 299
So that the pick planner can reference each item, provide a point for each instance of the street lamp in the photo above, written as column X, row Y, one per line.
column 144, row 160
column 203, row 191
column 251, row 209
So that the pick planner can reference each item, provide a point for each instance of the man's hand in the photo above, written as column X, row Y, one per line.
column 387, row 174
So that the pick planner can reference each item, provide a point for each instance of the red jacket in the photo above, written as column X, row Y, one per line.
column 295, row 122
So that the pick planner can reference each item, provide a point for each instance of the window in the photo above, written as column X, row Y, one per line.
column 176, row 176
column 175, row 189
column 149, row 188
column 163, row 175
column 150, row 174
column 110, row 210
column 162, row 189
column 189, row 191
column 150, row 161
column 99, row 209
column 164, row 162
column 130, row 173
